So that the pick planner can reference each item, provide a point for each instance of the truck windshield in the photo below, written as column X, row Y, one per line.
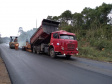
column 63, row 36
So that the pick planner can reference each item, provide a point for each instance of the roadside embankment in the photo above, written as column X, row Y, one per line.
column 4, row 77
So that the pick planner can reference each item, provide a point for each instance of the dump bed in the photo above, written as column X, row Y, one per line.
column 43, row 32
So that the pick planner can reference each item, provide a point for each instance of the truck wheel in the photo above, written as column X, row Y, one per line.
column 68, row 56
column 48, row 53
column 34, row 50
column 52, row 53
column 10, row 46
column 38, row 52
column 23, row 48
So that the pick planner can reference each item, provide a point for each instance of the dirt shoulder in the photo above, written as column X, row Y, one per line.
column 4, row 77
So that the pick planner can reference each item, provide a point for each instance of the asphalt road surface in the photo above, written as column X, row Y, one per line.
column 28, row 68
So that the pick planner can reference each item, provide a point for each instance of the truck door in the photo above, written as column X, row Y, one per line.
column 55, row 41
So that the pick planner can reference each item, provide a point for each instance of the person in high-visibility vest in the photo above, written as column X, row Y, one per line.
column 15, row 40
column 11, row 39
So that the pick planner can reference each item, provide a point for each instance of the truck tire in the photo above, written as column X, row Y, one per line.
column 34, row 50
column 38, row 52
column 23, row 48
column 52, row 53
column 68, row 56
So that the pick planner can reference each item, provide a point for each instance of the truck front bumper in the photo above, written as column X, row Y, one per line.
column 67, row 52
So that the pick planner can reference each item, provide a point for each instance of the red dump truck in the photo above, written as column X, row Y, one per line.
column 47, row 39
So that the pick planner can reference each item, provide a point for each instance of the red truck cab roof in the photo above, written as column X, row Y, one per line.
column 64, row 32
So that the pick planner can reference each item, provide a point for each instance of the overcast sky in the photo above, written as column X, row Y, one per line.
column 23, row 13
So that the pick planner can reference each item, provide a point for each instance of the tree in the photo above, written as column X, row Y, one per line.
column 103, row 11
column 49, row 17
column 88, row 17
column 20, row 31
column 66, row 16
column 77, row 20
column 55, row 18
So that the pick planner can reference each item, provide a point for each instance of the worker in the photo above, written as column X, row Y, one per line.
column 15, row 40
column 11, row 39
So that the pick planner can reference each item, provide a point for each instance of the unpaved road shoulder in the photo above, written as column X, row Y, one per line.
column 4, row 77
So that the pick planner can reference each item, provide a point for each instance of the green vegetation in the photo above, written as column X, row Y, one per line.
column 93, row 29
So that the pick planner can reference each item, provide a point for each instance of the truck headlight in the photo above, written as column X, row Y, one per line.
column 57, row 43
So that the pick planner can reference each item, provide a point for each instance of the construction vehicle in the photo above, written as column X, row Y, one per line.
column 27, row 47
column 47, row 39
column 13, row 44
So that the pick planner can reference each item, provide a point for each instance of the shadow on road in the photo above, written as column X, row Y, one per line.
column 59, row 57
column 64, row 58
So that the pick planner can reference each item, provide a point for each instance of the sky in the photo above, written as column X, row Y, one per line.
column 24, row 13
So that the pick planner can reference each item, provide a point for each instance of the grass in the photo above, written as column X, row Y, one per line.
column 100, row 50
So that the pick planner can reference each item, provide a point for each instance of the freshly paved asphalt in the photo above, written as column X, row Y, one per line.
column 28, row 68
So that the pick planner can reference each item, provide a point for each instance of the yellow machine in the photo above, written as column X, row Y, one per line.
column 27, row 47
column 13, row 44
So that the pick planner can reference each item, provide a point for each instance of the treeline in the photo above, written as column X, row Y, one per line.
column 90, row 23
column 4, row 40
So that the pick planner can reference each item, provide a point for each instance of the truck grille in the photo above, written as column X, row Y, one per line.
column 70, row 46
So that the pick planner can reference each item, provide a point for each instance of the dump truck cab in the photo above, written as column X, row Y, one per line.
column 63, row 43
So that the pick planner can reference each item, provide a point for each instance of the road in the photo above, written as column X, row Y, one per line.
column 28, row 68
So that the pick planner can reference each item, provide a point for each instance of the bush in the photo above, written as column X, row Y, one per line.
column 94, row 52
